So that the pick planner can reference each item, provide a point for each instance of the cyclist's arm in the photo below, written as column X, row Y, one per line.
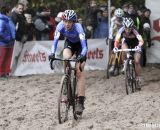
column 82, row 39
column 83, row 44
column 139, row 37
column 111, row 28
column 55, row 42
column 118, row 37
column 56, row 37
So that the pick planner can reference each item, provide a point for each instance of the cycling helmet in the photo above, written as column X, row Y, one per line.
column 69, row 15
column 146, row 26
column 119, row 13
column 127, row 22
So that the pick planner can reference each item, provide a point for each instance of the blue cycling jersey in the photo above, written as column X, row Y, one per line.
column 74, row 35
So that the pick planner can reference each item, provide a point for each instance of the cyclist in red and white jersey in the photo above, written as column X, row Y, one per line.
column 130, row 39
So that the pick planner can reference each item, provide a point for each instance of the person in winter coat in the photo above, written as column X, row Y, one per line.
column 7, row 37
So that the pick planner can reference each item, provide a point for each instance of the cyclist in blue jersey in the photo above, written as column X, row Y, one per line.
column 75, row 43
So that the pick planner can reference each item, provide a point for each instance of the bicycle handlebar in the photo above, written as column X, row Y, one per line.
column 127, row 50
column 60, row 59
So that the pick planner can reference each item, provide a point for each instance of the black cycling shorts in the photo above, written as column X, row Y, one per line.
column 131, row 43
column 76, row 48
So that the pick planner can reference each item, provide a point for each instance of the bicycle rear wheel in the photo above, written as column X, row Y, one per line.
column 129, row 78
column 63, row 100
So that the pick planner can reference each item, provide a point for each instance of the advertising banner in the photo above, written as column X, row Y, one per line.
column 153, row 52
column 34, row 57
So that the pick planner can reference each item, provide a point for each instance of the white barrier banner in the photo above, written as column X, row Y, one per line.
column 153, row 52
column 34, row 57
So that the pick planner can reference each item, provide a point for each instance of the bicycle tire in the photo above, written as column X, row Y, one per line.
column 134, row 82
column 109, row 64
column 74, row 94
column 128, row 78
column 117, row 67
column 63, row 112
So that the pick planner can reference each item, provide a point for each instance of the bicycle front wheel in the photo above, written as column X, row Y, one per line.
column 63, row 101
column 129, row 78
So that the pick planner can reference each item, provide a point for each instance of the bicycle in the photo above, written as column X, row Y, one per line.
column 68, row 90
column 115, row 60
column 132, row 85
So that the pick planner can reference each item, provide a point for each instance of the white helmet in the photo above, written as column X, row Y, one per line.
column 127, row 22
column 119, row 13
column 69, row 15
column 146, row 26
column 59, row 15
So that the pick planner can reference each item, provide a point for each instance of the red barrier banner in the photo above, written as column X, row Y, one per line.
column 5, row 59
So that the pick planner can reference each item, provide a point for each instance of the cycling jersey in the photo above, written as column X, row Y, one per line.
column 116, row 24
column 75, row 35
column 133, row 36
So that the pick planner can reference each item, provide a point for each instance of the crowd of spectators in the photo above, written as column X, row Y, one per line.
column 21, row 26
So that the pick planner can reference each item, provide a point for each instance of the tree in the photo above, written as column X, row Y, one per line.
column 78, row 5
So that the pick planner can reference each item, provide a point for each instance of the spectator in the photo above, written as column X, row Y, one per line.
column 7, row 34
column 146, row 28
column 86, row 30
column 112, row 9
column 25, row 4
column 91, row 18
column 53, row 23
column 42, row 24
column 21, row 33
column 102, row 28
column 133, row 15
column 58, row 18
column 125, row 8
column 147, row 25
column 30, row 27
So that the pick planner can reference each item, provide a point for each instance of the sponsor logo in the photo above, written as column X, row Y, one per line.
column 95, row 54
column 34, row 57
column 156, row 27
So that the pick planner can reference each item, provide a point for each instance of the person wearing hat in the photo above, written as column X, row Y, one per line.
column 42, row 23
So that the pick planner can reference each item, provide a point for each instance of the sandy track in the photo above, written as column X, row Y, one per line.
column 30, row 103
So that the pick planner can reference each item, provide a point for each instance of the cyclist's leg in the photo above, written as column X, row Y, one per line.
column 137, row 57
column 81, row 80
column 67, row 51
column 124, row 46
column 81, row 87
column 112, row 57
